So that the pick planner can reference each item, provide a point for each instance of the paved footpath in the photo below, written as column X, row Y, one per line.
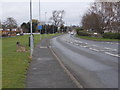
column 45, row 71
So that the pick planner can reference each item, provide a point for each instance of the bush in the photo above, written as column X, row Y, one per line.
column 79, row 29
column 111, row 35
column 83, row 33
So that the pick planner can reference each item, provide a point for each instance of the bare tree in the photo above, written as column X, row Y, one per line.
column 116, row 21
column 92, row 22
column 106, row 15
column 57, row 18
column 10, row 23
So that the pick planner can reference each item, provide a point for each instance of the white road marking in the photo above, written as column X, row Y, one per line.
column 76, row 44
column 94, row 49
column 94, row 45
column 111, row 43
column 116, row 55
column 85, row 46
column 110, row 49
column 106, row 48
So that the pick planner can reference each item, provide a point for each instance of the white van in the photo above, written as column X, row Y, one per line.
column 72, row 33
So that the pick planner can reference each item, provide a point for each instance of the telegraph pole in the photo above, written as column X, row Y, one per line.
column 31, row 34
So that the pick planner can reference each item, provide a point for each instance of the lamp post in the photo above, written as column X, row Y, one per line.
column 39, row 19
column 31, row 34
column 45, row 22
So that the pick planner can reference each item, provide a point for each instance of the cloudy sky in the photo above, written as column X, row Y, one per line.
column 20, row 10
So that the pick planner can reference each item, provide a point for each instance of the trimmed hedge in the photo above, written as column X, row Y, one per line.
column 79, row 29
column 111, row 35
column 83, row 33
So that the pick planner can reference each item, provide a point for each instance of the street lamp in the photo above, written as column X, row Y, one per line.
column 39, row 19
column 31, row 34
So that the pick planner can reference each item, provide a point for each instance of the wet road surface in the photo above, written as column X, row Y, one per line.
column 95, row 64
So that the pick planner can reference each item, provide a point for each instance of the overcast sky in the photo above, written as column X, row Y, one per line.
column 20, row 10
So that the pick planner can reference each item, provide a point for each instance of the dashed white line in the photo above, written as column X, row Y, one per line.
column 110, row 49
column 94, row 45
column 107, row 48
column 85, row 46
column 76, row 44
column 116, row 55
column 94, row 49
column 111, row 43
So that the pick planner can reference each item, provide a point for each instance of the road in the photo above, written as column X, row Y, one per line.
column 93, row 63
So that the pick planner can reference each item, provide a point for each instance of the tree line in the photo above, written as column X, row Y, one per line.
column 46, row 28
column 55, row 21
column 102, row 16
column 10, row 23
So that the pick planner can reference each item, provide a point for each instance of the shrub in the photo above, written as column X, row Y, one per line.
column 83, row 33
column 111, row 35
column 79, row 29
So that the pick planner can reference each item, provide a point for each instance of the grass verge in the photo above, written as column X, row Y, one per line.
column 96, row 39
column 15, row 64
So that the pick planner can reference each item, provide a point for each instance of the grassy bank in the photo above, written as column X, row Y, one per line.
column 15, row 64
column 96, row 39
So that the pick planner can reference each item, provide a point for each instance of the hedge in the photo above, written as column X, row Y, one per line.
column 111, row 35
column 83, row 33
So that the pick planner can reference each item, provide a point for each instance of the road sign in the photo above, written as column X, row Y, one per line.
column 40, row 27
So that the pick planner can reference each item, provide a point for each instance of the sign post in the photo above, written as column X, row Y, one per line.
column 40, row 28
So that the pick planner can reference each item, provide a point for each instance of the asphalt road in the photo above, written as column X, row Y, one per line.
column 94, row 64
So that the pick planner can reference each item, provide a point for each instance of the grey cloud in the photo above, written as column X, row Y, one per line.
column 20, row 10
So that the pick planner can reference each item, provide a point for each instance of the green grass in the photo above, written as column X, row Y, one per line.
column 96, row 39
column 15, row 64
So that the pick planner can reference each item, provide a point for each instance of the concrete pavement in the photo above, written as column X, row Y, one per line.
column 45, row 71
